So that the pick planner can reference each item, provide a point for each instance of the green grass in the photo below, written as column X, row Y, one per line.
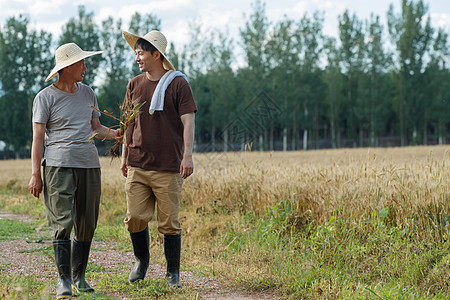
column 114, row 233
column 28, row 287
column 341, row 259
column 12, row 230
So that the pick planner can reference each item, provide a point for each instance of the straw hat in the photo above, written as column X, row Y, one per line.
column 154, row 37
column 68, row 54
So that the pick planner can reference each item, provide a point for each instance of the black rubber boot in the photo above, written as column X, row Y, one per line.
column 172, row 250
column 80, row 255
column 141, row 249
column 62, row 259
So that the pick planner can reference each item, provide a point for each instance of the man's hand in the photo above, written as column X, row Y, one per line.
column 124, row 169
column 118, row 137
column 187, row 166
column 35, row 185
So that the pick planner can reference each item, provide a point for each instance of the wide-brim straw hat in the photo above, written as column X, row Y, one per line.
column 154, row 37
column 68, row 54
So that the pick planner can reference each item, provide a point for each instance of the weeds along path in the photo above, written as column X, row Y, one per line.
column 22, row 257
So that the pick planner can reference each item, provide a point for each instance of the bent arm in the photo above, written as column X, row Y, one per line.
column 37, row 149
column 103, row 132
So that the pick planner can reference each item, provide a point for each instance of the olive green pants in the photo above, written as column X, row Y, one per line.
column 144, row 190
column 72, row 200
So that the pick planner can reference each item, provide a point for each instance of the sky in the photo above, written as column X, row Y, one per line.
column 227, row 16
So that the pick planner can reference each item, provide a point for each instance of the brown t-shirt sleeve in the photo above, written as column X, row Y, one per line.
column 186, row 99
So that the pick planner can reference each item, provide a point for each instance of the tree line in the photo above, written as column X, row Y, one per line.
column 279, row 86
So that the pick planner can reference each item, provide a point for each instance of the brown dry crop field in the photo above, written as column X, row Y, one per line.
column 366, row 178
column 373, row 221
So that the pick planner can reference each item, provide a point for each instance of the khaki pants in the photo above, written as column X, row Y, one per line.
column 144, row 189
column 72, row 200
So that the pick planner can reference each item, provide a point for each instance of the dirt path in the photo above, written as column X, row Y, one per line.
column 24, row 258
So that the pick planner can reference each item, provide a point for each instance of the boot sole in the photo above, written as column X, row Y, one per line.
column 74, row 288
column 136, row 280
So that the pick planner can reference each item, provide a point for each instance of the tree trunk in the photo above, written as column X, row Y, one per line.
column 225, row 140
column 401, row 110
column 425, row 134
column 305, row 131
column 361, row 136
column 294, row 130
column 305, row 139
column 271, row 139
column 213, row 136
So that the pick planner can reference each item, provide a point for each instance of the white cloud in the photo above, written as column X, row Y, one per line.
column 45, row 8
column 52, row 26
column 441, row 20
column 226, row 16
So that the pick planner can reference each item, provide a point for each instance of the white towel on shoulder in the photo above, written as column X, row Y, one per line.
column 157, row 102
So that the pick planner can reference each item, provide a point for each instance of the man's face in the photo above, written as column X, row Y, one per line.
column 145, row 59
column 76, row 70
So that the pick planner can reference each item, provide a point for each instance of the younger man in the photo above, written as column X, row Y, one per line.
column 157, row 154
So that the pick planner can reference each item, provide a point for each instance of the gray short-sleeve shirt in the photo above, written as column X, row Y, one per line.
column 68, row 126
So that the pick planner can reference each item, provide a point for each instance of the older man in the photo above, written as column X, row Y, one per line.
column 64, row 120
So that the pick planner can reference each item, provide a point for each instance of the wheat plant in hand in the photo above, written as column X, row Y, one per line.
column 128, row 112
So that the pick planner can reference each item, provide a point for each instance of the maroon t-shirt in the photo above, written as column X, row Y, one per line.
column 155, row 142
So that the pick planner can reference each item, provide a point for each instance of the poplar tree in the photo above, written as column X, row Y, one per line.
column 115, row 67
column 411, row 32
column 352, row 41
column 84, row 32
column 25, row 61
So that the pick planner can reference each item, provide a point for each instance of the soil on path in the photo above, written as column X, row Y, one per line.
column 24, row 258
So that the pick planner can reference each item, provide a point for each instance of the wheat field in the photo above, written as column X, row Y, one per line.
column 370, row 220
column 364, row 179
column 319, row 184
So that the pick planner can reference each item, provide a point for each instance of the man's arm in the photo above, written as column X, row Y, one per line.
column 187, row 164
column 123, row 166
column 103, row 132
column 37, row 149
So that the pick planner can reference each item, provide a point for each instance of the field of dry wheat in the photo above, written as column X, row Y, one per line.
column 410, row 182
column 320, row 182
column 371, row 220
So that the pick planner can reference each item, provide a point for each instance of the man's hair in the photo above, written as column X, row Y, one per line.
column 146, row 46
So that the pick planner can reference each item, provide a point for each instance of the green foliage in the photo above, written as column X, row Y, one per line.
column 24, row 59
column 140, row 25
column 84, row 32
column 412, row 37
column 331, row 93
column 112, row 92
